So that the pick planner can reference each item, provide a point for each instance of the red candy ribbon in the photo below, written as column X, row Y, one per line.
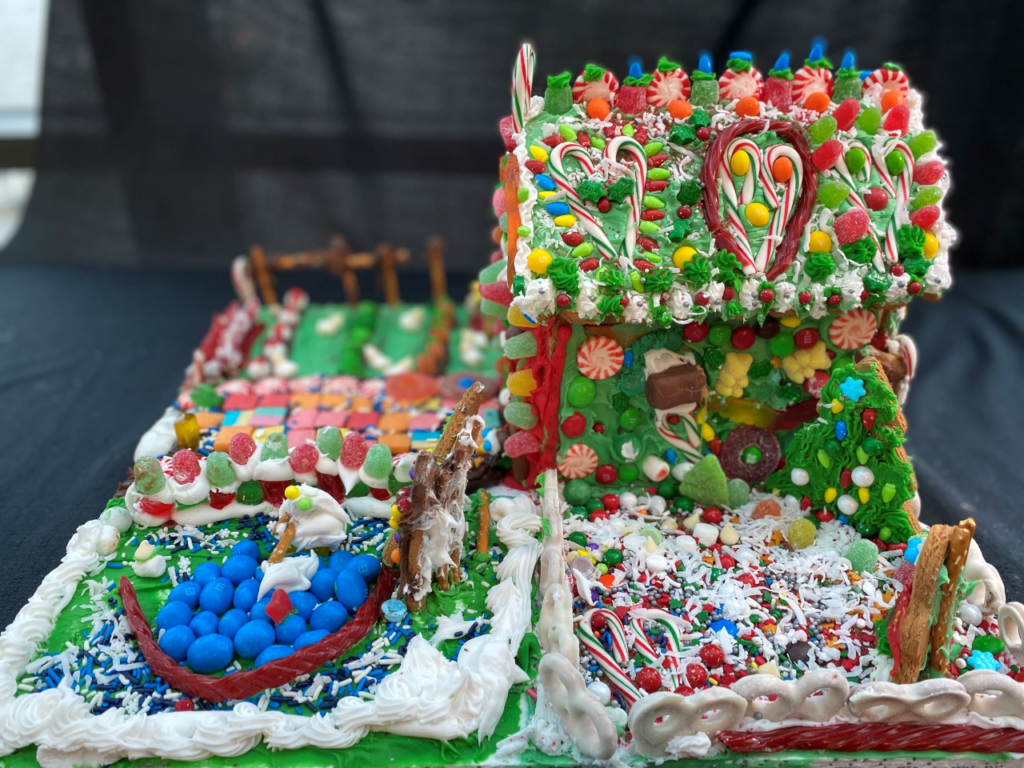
column 878, row 737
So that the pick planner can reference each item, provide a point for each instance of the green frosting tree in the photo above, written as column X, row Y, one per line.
column 851, row 460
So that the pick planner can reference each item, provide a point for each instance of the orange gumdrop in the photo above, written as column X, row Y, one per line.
column 748, row 106
column 891, row 99
column 766, row 508
column 782, row 169
column 818, row 101
column 680, row 109
column 598, row 109
column 496, row 235
column 607, row 580
column 396, row 556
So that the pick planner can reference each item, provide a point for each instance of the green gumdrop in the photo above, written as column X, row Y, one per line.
column 855, row 160
column 706, row 483
column 832, row 193
column 493, row 309
column 801, row 533
column 847, row 87
column 720, row 334
column 872, row 446
column 274, row 447
column 612, row 557
column 704, row 93
column 577, row 492
column 628, row 473
column 219, row 470
column 490, row 273
column 149, row 477
column 923, row 143
column 926, row 196
column 581, row 392
column 988, row 644
column 895, row 163
column 578, row 537
column 520, row 415
column 518, row 347
column 782, row 344
column 823, row 128
column 328, row 442
column 249, row 492
column 629, row 419
column 377, row 463
column 739, row 492
column 863, row 556
column 869, row 120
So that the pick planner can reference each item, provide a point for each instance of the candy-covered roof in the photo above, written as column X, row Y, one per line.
column 671, row 196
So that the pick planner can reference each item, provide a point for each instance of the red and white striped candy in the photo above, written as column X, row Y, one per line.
column 580, row 460
column 560, row 176
column 855, row 198
column 853, row 329
column 808, row 80
column 783, row 205
column 611, row 664
column 606, row 88
column 234, row 387
column 667, row 87
column 889, row 79
column 599, row 357
column 739, row 85
column 522, row 86
column 898, row 187
column 272, row 385
column 630, row 146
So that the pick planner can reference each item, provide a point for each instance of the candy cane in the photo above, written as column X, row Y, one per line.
column 688, row 446
column 899, row 188
column 746, row 194
column 522, row 86
column 634, row 149
column 642, row 645
column 784, row 206
column 611, row 667
column 844, row 172
column 675, row 645
column 556, row 166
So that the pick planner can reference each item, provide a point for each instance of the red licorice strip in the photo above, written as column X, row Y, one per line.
column 789, row 132
column 878, row 737
column 545, row 398
column 242, row 685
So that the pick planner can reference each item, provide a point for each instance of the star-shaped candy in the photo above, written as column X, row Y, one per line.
column 852, row 389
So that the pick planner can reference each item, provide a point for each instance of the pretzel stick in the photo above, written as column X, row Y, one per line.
column 468, row 406
column 959, row 544
column 483, row 539
column 285, row 541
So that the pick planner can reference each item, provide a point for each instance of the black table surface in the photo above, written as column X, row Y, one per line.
column 89, row 359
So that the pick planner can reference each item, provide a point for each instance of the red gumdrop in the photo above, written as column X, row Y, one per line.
column 606, row 474
column 743, row 337
column 806, row 338
column 876, row 198
column 498, row 292
column 868, row 417
column 846, row 113
column 827, row 154
column 926, row 217
column 279, row 607
column 572, row 239
column 520, row 444
column 353, row 450
column 814, row 384
column 897, row 119
column 304, row 458
column 185, row 466
column 574, row 425
column 632, row 99
column 851, row 226
column 694, row 332
column 696, row 675
column 604, row 205
column 648, row 679
column 241, row 448
column 505, row 126
column 779, row 93
column 929, row 173
column 712, row 656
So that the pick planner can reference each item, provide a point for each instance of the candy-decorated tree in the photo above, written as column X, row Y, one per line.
column 851, row 460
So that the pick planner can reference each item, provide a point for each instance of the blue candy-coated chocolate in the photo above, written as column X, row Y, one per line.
column 205, row 573
column 238, row 568
column 322, row 584
column 217, row 596
column 289, row 630
column 204, row 623
column 245, row 594
column 350, row 589
column 366, row 566
column 310, row 638
column 187, row 592
column 247, row 548
column 252, row 638
column 339, row 561
column 176, row 641
column 174, row 614
column 272, row 653
column 331, row 616
column 231, row 622
column 210, row 654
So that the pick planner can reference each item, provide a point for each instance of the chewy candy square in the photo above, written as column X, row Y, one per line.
column 240, row 403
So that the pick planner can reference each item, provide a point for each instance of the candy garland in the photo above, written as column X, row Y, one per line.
column 784, row 206
column 611, row 665
column 556, row 167
column 899, row 188
column 633, row 148
column 844, row 172
column 522, row 86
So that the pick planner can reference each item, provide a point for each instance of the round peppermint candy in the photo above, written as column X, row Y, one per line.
column 853, row 329
column 740, row 85
column 667, row 87
column 599, row 357
column 808, row 80
column 889, row 79
column 606, row 88
column 580, row 460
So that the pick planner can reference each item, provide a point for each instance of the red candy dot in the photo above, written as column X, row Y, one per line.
column 606, row 474
column 712, row 656
column 574, row 425
column 604, row 205
column 704, row 133
column 846, row 113
column 914, row 288
column 712, row 515
column 241, row 448
column 598, row 622
column 834, row 300
column 184, row 705
column 648, row 679
column 304, row 458
column 728, row 293
column 814, row 384
column 805, row 297
column 185, row 466
column 825, row 156
column 766, row 296
column 743, row 337
column 563, row 300
column 610, row 501
column 897, row 270
column 684, row 212
column 598, row 514
column 728, row 561
column 806, row 338
column 696, row 675
column 701, row 299
column 876, row 198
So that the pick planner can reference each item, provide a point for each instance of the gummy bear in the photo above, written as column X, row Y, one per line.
column 185, row 467
column 328, row 441
column 274, row 447
column 304, row 458
column 241, row 448
column 353, row 450
column 149, row 476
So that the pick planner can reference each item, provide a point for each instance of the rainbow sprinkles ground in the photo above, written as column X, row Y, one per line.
column 643, row 497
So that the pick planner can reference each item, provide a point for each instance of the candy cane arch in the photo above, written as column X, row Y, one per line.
column 522, row 86
column 633, row 148
column 783, row 205
column 848, row 178
column 556, row 168
column 899, row 188
column 612, row 665
column 745, row 195
column 647, row 651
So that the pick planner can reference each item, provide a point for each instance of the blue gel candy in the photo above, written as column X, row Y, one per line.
column 187, row 592
column 366, row 566
column 252, row 638
column 245, row 594
column 204, row 623
column 557, row 209
column 174, row 614
column 246, row 548
column 304, row 603
column 210, row 654
column 339, row 561
column 322, row 584
column 238, row 568
column 545, row 182
column 310, row 638
column 217, row 596
column 289, row 630
column 205, row 573
column 330, row 616
column 351, row 589
column 231, row 622
column 272, row 653
column 176, row 640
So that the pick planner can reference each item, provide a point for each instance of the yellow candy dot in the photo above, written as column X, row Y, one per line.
column 545, row 195
column 820, row 242
column 683, row 255
column 393, row 523
column 707, row 432
column 864, row 494
column 740, row 162
column 790, row 322
column 565, row 221
column 291, row 492
column 830, row 495
column 756, row 213
column 931, row 245
column 837, row 407
column 539, row 260
column 395, row 510
column 518, row 319
column 538, row 153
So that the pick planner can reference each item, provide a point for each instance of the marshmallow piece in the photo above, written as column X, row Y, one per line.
column 153, row 568
column 108, row 539
column 145, row 551
column 685, row 544
column 656, row 468
column 705, row 533
column 119, row 517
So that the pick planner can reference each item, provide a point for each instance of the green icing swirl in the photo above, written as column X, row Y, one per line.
column 739, row 65
column 664, row 65
column 559, row 81
column 592, row 73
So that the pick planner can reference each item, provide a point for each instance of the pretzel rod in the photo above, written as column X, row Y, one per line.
column 285, row 541
column 483, row 543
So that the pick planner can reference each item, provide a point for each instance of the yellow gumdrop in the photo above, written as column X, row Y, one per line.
column 539, row 153
column 521, row 383
column 707, row 432
column 518, row 319
column 538, row 261
column 789, row 322
column 683, row 256
column 820, row 242
column 291, row 492
column 566, row 220
column 740, row 162
column 931, row 245
column 756, row 213
column 864, row 494
column 837, row 407
column 830, row 495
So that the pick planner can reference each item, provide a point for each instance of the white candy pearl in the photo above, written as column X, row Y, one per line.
column 600, row 691
column 799, row 476
column 656, row 506
column 970, row 614
column 847, row 504
column 862, row 476
column 627, row 500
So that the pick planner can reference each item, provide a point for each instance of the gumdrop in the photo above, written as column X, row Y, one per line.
column 328, row 442
column 521, row 444
column 847, row 88
column 929, row 173
column 149, row 476
column 219, row 470
column 241, row 448
column 869, row 120
column 249, row 492
column 898, row 119
column 304, row 458
column 863, row 556
column 557, row 97
column 498, row 292
column 279, row 607
column 185, row 467
column 186, row 430
column 855, row 160
column 523, row 345
column 827, row 154
column 851, row 226
column 520, row 415
column 377, row 463
column 766, row 508
column 632, row 99
column 925, row 217
column 925, row 196
column 923, row 143
column 821, row 130
column 353, row 450
column 846, row 113
column 801, row 533
column 703, row 93
column 832, row 193
column 506, row 128
column 521, row 383
column 739, row 492
column 274, row 447
column 779, row 93
column 706, row 483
